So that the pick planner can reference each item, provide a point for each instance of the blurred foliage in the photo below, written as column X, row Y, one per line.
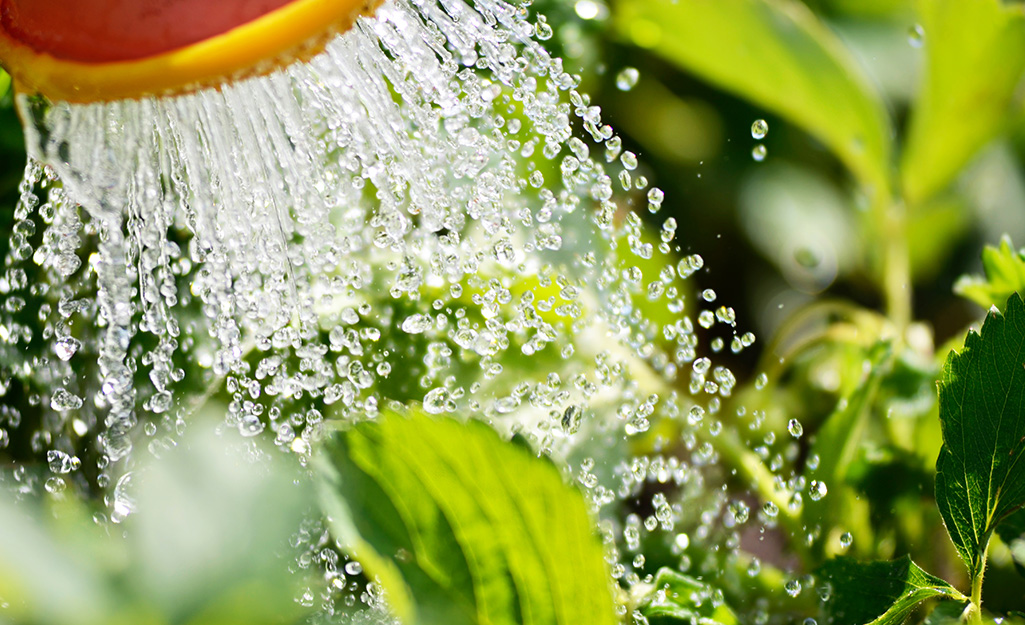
column 1005, row 275
column 187, row 555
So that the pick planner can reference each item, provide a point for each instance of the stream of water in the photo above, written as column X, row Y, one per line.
column 427, row 211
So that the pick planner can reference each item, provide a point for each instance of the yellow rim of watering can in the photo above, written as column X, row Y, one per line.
column 296, row 31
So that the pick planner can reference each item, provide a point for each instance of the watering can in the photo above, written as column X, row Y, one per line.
column 102, row 50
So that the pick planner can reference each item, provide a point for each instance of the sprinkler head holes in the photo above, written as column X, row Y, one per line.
column 103, row 50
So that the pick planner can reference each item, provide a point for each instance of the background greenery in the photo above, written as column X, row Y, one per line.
column 894, row 154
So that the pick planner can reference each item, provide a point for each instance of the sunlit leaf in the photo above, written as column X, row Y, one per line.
column 975, row 55
column 980, row 473
column 836, row 443
column 880, row 593
column 778, row 55
column 480, row 530
column 1005, row 274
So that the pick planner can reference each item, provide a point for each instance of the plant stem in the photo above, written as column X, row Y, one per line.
column 975, row 616
column 897, row 267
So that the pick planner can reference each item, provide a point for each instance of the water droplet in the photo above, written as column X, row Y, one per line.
column 795, row 428
column 690, row 264
column 353, row 568
column 571, row 419
column 793, row 587
column 754, row 568
column 439, row 401
column 817, row 490
column 66, row 347
column 846, row 539
column 62, row 462
column 759, row 129
column 124, row 500
column 696, row 414
column 416, row 323
column 682, row 541
column 916, row 36
column 542, row 28
column 250, row 425
column 590, row 9
column 55, row 485
column 627, row 78
column 759, row 152
column 62, row 401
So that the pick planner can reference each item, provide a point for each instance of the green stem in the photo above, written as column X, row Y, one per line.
column 975, row 614
column 751, row 470
column 897, row 268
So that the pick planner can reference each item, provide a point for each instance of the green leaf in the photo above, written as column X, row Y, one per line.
column 836, row 445
column 837, row 441
column 880, row 593
column 980, row 473
column 465, row 527
column 1005, row 274
column 777, row 54
column 975, row 55
column 678, row 597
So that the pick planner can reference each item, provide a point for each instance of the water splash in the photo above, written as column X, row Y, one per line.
column 411, row 216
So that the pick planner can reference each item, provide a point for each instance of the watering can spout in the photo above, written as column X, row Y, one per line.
column 102, row 50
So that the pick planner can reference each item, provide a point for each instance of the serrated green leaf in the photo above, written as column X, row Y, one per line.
column 777, row 54
column 880, row 593
column 1005, row 274
column 480, row 529
column 980, row 473
column 975, row 55
column 678, row 597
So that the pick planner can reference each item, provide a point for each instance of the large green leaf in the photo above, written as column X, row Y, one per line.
column 1005, row 274
column 777, row 54
column 880, row 593
column 462, row 526
column 975, row 55
column 980, row 473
